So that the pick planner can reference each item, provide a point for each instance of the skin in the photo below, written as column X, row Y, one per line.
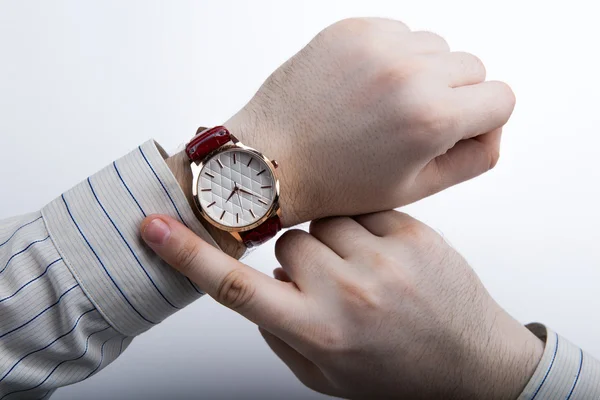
column 375, row 306
column 369, row 116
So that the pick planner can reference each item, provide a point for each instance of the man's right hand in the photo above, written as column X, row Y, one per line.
column 370, row 116
column 375, row 306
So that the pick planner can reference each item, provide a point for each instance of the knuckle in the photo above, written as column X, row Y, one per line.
column 397, row 216
column 508, row 94
column 186, row 256
column 383, row 262
column 434, row 38
column 427, row 114
column 493, row 157
column 473, row 64
column 361, row 298
column 410, row 229
column 288, row 242
column 360, row 294
column 350, row 25
column 479, row 66
column 361, row 25
column 393, row 75
column 433, row 119
column 318, row 225
column 328, row 225
column 235, row 290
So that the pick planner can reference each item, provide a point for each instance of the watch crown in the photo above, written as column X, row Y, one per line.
column 275, row 164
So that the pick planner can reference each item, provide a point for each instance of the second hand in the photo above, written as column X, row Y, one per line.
column 237, row 191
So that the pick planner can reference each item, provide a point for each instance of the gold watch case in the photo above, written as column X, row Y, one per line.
column 196, row 168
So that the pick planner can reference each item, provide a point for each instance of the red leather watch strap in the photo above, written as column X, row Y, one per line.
column 261, row 233
column 207, row 141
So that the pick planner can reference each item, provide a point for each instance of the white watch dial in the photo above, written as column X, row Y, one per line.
column 236, row 188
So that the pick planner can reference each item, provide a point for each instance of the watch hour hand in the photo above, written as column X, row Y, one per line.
column 232, row 193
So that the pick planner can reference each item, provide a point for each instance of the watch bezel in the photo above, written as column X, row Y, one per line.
column 197, row 168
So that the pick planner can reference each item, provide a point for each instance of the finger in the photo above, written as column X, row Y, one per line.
column 467, row 159
column 304, row 369
column 382, row 24
column 484, row 107
column 305, row 259
column 370, row 26
column 460, row 68
column 385, row 223
column 423, row 42
column 281, row 275
column 263, row 300
column 343, row 235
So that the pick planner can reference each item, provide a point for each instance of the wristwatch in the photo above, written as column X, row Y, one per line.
column 235, row 187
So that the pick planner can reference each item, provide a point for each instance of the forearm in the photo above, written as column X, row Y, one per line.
column 76, row 281
column 51, row 334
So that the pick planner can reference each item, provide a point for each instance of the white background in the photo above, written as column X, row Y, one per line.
column 82, row 83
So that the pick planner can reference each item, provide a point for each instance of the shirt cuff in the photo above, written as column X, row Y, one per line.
column 95, row 227
column 565, row 371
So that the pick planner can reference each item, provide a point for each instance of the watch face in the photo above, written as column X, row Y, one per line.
column 236, row 188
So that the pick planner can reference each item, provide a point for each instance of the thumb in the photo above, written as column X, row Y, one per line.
column 263, row 300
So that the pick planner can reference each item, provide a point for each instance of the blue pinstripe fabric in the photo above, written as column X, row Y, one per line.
column 40, row 313
column 562, row 373
column 541, row 384
column 129, row 247
column 162, row 185
column 172, row 202
column 87, row 341
column 92, row 372
column 102, row 264
column 127, row 188
column 77, row 283
column 46, row 313
column 18, row 229
column 22, row 251
column 31, row 281
column 576, row 377
column 48, row 345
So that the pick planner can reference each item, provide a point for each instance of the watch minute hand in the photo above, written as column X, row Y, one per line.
column 247, row 192
column 260, row 198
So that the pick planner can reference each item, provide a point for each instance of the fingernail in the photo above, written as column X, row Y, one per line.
column 156, row 232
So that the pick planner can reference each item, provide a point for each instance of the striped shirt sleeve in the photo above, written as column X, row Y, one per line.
column 76, row 281
column 565, row 371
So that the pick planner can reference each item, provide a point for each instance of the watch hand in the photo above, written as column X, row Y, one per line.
column 237, row 190
column 247, row 192
column 260, row 198
column 231, row 195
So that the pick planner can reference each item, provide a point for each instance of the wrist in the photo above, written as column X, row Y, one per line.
column 179, row 165
column 262, row 135
column 512, row 354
